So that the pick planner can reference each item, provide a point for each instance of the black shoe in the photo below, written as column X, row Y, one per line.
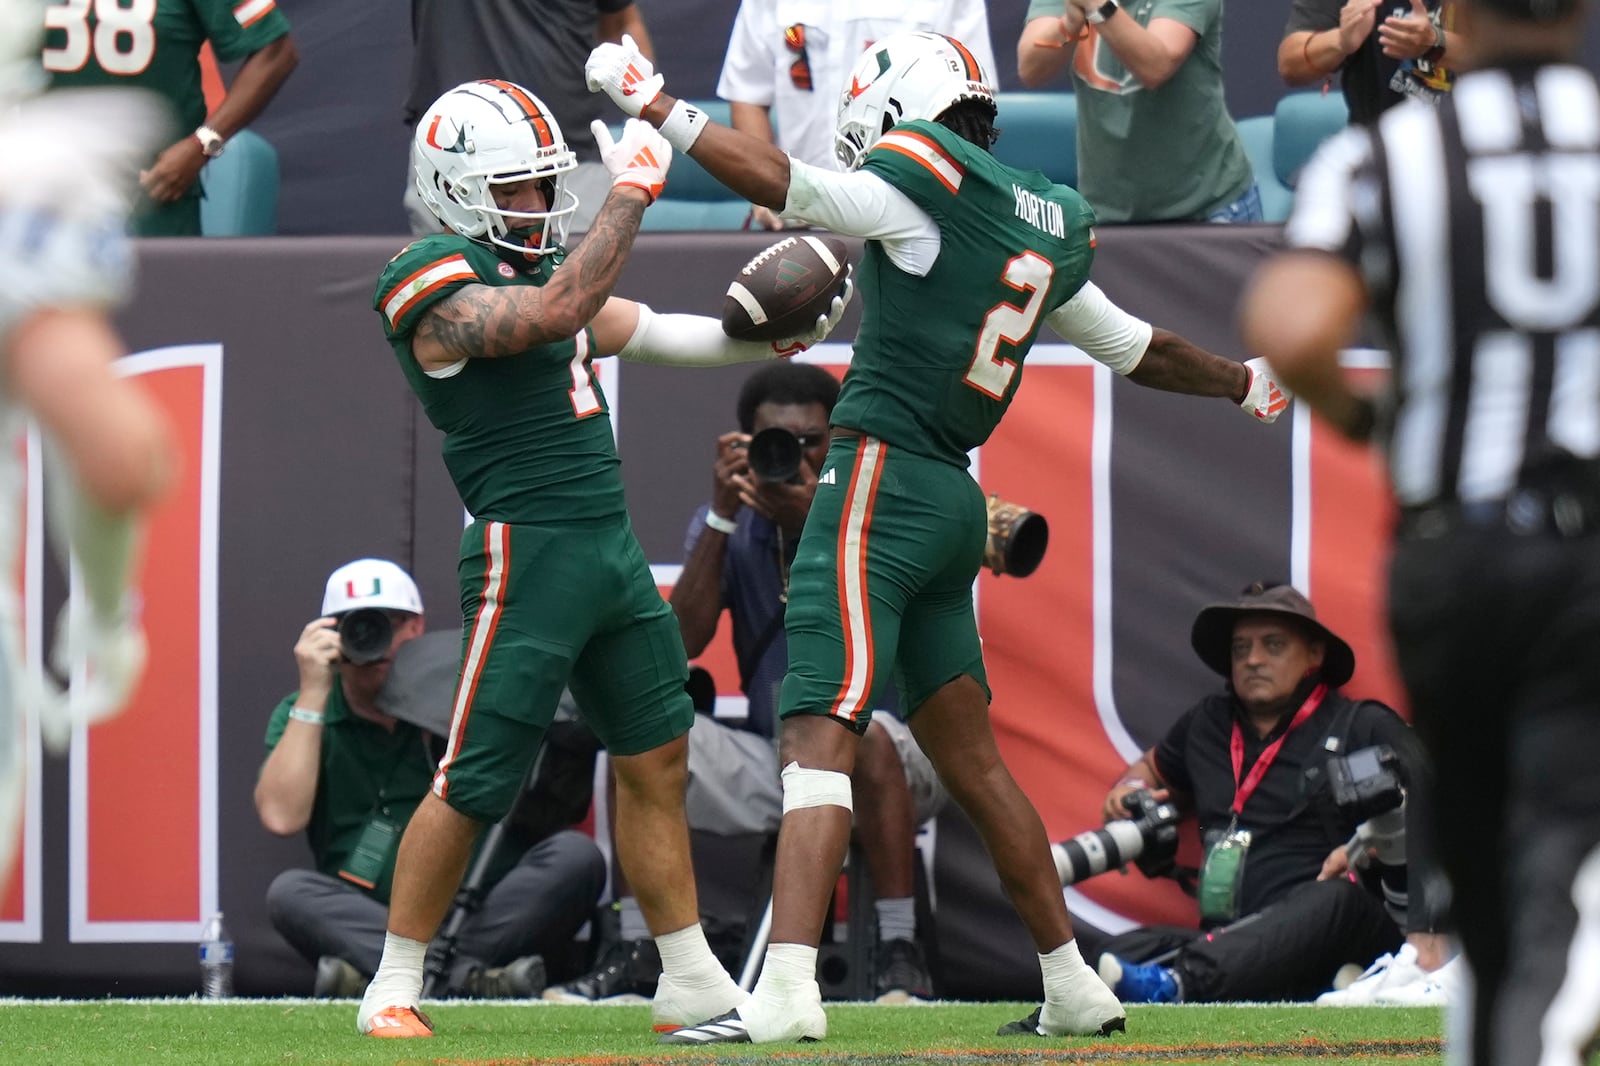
column 626, row 967
column 726, row 1028
column 521, row 978
column 902, row 973
column 337, row 979
column 1029, row 1026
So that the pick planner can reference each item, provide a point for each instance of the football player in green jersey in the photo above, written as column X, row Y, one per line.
column 496, row 328
column 964, row 258
column 155, row 45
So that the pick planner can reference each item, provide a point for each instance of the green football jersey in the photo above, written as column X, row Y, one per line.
column 939, row 357
column 527, row 438
column 154, row 44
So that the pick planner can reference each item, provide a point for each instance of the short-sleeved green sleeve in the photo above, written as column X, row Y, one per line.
column 236, row 28
column 425, row 272
column 279, row 721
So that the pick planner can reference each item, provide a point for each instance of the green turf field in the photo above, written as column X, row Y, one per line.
column 288, row 1032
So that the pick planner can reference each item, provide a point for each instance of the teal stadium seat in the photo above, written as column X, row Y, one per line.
column 693, row 199
column 1276, row 197
column 1039, row 131
column 241, row 189
column 1301, row 123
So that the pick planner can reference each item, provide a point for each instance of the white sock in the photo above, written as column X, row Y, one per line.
column 1060, row 967
column 787, row 968
column 897, row 919
column 631, row 920
column 687, row 957
column 398, row 982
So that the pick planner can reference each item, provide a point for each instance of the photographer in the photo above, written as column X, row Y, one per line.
column 739, row 549
column 1255, row 764
column 350, row 776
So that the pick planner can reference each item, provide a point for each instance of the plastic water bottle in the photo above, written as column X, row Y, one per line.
column 216, row 959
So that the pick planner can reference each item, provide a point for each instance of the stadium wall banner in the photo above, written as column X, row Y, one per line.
column 303, row 449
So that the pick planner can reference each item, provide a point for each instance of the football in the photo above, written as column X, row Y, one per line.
column 781, row 292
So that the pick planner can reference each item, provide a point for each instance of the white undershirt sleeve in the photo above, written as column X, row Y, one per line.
column 688, row 340
column 1104, row 331
column 861, row 204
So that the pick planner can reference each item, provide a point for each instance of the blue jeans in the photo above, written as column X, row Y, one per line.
column 1247, row 208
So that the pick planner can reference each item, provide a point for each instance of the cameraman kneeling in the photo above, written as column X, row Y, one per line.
column 1252, row 764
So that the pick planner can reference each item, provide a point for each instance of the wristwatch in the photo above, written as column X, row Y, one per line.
column 211, row 142
column 1101, row 13
column 1436, row 53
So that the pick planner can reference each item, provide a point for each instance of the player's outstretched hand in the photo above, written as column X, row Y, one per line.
column 825, row 322
column 623, row 73
column 640, row 157
column 1266, row 398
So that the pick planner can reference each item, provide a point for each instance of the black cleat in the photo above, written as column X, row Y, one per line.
column 726, row 1028
column 1029, row 1026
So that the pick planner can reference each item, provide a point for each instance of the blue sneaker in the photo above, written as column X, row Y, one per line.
column 1136, row 982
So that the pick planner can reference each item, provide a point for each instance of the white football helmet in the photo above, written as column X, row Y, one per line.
column 487, row 133
column 905, row 76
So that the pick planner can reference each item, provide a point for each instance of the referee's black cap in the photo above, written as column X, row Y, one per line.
column 1531, row 10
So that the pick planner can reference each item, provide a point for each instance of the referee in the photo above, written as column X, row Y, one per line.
column 1470, row 232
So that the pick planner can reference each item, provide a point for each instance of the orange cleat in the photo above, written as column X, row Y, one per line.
column 399, row 1022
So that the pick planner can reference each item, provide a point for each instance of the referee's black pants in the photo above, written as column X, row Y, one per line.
column 1498, row 640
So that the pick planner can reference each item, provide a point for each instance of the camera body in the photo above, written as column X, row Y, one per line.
column 1367, row 789
column 1365, row 782
column 1148, row 838
column 365, row 635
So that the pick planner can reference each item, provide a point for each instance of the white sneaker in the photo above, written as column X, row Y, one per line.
column 1389, row 971
column 675, row 1007
column 760, row 1021
column 1431, row 990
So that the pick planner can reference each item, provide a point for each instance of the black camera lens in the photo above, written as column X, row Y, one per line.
column 1025, row 550
column 775, row 454
column 365, row 635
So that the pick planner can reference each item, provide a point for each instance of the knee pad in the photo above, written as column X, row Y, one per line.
column 814, row 788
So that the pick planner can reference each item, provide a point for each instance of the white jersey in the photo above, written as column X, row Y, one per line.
column 68, row 174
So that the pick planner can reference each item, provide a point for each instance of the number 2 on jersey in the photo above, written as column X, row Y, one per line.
column 991, row 375
column 123, row 39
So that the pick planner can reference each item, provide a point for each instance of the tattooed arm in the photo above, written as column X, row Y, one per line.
column 483, row 321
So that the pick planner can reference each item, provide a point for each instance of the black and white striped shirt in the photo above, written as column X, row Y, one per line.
column 1476, row 225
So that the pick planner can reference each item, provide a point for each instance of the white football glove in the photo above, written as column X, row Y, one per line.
column 623, row 73
column 824, row 325
column 640, row 158
column 1266, row 398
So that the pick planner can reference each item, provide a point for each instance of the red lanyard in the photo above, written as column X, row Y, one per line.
column 1259, row 770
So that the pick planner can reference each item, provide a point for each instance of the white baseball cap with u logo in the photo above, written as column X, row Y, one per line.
column 370, row 583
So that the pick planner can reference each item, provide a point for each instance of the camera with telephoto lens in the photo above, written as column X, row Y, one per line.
column 1148, row 839
column 774, row 454
column 1017, row 538
column 365, row 635
column 1367, row 789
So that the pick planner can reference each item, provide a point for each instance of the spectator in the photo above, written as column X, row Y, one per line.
column 782, row 79
column 935, row 363
column 1251, row 763
column 495, row 328
column 1380, row 62
column 538, row 45
column 67, row 178
column 1155, row 141
column 156, row 46
column 349, row 776
column 738, row 552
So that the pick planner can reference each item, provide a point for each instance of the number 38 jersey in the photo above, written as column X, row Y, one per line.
column 527, row 437
column 154, row 44
column 939, row 357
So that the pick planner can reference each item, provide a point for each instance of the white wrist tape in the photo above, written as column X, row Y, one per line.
column 687, row 340
column 310, row 717
column 683, row 125
column 814, row 788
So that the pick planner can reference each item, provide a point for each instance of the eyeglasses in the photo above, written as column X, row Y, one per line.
column 800, row 69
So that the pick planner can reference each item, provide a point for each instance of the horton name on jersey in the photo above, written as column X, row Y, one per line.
column 1040, row 213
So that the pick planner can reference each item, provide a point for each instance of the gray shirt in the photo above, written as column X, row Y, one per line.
column 539, row 44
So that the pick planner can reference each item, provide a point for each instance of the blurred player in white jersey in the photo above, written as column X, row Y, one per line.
column 67, row 173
